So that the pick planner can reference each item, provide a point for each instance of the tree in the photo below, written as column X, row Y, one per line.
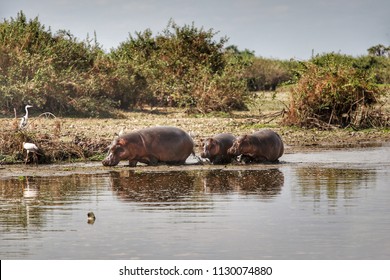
column 379, row 50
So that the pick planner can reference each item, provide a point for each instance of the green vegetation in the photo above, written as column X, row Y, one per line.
column 268, row 74
column 183, row 66
column 336, row 90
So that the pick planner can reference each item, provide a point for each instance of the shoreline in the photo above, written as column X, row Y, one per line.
column 21, row 171
column 87, row 140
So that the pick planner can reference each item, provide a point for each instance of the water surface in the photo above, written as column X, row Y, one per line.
column 325, row 205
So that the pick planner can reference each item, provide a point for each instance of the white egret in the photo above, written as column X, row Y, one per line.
column 31, row 148
column 23, row 120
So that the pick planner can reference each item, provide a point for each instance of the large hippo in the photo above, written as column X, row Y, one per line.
column 261, row 146
column 160, row 144
column 216, row 147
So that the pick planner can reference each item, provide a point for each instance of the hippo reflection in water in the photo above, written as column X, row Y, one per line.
column 152, row 186
column 266, row 183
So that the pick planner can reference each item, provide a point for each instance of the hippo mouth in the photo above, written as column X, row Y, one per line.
column 110, row 160
column 204, row 155
column 233, row 151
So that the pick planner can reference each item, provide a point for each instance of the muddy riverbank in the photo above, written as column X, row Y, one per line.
column 70, row 140
column 301, row 155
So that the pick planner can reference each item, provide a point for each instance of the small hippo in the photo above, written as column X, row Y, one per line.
column 261, row 146
column 160, row 144
column 216, row 147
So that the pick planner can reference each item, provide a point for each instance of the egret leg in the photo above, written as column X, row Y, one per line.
column 35, row 158
column 25, row 161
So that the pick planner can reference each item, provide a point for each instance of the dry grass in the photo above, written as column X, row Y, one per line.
column 85, row 139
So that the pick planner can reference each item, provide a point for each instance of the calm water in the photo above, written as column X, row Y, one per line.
column 328, row 205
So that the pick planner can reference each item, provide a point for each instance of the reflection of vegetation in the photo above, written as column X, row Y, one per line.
column 25, row 200
column 19, row 200
column 332, row 183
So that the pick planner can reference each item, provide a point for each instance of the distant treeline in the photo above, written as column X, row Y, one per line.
column 182, row 66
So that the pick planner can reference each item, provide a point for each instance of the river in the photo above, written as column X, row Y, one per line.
column 317, row 205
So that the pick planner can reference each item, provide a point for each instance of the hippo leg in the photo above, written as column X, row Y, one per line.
column 132, row 163
column 153, row 161
column 261, row 160
column 221, row 160
column 246, row 159
column 178, row 162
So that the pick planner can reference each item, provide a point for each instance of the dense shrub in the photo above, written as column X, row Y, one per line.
column 267, row 74
column 332, row 91
column 57, row 73
column 185, row 66
column 182, row 66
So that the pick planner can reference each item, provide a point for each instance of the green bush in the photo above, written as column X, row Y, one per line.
column 332, row 91
column 186, row 67
column 57, row 73
column 182, row 66
column 267, row 74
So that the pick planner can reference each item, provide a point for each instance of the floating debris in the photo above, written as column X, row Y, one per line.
column 91, row 217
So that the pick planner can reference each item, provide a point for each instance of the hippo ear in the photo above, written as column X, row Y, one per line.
column 246, row 138
column 206, row 141
column 113, row 143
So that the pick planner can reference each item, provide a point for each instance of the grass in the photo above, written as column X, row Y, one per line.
column 75, row 139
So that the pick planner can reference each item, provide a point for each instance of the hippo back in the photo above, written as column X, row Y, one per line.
column 270, row 144
column 167, row 144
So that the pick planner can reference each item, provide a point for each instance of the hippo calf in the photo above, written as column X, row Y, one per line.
column 216, row 148
column 261, row 146
column 160, row 144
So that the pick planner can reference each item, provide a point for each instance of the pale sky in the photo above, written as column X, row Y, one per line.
column 282, row 29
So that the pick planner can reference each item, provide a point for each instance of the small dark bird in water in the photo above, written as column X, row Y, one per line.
column 91, row 217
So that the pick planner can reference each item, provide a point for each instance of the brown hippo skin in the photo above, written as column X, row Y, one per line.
column 261, row 146
column 215, row 148
column 160, row 144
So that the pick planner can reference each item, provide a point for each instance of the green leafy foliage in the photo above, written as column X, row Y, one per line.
column 267, row 74
column 182, row 66
column 56, row 72
column 332, row 90
column 186, row 67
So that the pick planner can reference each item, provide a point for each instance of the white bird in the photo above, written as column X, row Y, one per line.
column 29, row 193
column 30, row 148
column 23, row 120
